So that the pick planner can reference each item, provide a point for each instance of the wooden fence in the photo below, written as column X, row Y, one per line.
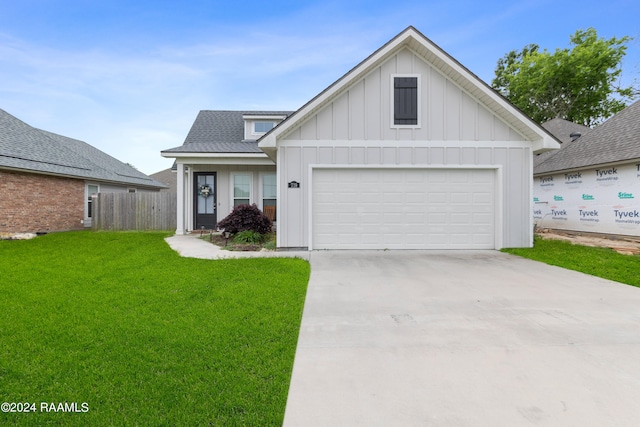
column 134, row 211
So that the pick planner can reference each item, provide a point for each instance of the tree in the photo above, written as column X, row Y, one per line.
column 578, row 84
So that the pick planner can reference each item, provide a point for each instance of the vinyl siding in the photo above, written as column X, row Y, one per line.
column 363, row 111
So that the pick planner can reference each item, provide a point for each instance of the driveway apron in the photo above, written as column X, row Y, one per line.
column 463, row 338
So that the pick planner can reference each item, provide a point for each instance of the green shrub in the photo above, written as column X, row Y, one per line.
column 248, row 236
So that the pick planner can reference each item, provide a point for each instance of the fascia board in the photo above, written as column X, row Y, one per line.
column 247, row 161
column 173, row 155
column 263, row 117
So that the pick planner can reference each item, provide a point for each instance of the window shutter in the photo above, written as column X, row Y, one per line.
column 405, row 100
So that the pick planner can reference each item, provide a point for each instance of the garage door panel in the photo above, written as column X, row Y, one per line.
column 483, row 218
column 437, row 218
column 403, row 209
column 435, row 198
column 392, row 197
column 462, row 219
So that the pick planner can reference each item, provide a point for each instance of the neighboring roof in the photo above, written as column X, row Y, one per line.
column 168, row 177
column 616, row 140
column 562, row 130
column 221, row 132
column 542, row 140
column 26, row 148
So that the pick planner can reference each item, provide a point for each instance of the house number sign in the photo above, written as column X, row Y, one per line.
column 294, row 184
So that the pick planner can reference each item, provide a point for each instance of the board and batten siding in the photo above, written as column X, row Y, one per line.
column 512, row 162
column 363, row 111
column 355, row 128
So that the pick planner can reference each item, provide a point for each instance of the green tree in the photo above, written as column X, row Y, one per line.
column 579, row 84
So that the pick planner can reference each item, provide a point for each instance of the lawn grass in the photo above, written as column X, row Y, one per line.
column 143, row 336
column 600, row 262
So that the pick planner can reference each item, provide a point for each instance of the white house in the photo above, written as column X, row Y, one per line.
column 593, row 183
column 408, row 150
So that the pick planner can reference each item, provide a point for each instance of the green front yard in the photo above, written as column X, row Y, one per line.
column 122, row 326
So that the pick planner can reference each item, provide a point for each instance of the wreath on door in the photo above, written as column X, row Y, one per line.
column 204, row 190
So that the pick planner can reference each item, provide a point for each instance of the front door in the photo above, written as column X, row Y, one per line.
column 205, row 200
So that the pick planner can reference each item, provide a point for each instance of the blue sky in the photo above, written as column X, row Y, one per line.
column 129, row 77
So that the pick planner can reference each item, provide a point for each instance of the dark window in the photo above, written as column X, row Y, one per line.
column 405, row 100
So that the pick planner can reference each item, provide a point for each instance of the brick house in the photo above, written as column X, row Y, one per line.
column 47, row 180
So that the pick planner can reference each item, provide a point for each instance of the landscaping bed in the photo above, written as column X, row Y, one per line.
column 268, row 242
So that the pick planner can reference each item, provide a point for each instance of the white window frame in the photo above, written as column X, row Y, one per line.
column 232, row 185
column 86, row 200
column 262, row 175
column 261, row 192
column 392, row 101
column 251, row 119
column 256, row 132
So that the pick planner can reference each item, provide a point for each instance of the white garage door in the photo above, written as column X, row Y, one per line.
column 403, row 209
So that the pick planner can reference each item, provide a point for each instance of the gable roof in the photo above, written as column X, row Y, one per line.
column 542, row 140
column 216, row 131
column 25, row 148
column 616, row 140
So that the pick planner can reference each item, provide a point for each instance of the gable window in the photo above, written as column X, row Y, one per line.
column 241, row 189
column 406, row 107
column 262, row 127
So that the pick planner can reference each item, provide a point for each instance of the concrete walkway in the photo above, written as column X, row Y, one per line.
column 192, row 246
column 473, row 338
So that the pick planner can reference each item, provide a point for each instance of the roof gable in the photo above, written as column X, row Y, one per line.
column 616, row 140
column 412, row 39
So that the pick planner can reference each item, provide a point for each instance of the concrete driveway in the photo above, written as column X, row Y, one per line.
column 473, row 338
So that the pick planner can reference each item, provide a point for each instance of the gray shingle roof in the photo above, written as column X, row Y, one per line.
column 562, row 130
column 221, row 132
column 616, row 140
column 168, row 177
column 26, row 148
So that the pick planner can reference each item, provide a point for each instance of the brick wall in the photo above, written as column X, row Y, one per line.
column 30, row 203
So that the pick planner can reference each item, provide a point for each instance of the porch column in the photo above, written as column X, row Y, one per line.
column 181, row 201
